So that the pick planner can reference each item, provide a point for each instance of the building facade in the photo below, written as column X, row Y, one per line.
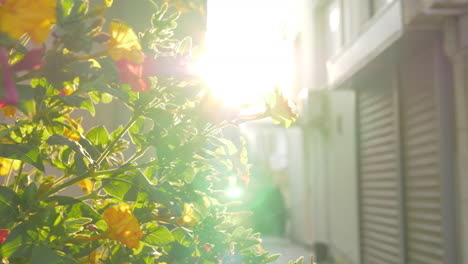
column 383, row 135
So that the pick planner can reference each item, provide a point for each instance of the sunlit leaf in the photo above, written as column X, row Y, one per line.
column 58, row 139
column 98, row 135
column 157, row 235
column 24, row 152
column 182, row 236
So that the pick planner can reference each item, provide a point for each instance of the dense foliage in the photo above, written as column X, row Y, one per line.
column 151, row 189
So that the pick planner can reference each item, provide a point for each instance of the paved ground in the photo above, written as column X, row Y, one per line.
column 287, row 249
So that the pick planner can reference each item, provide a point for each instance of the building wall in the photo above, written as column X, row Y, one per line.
column 342, row 181
column 442, row 67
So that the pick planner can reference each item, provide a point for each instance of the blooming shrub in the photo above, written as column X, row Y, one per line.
column 150, row 188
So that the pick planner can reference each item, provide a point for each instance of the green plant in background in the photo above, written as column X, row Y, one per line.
column 151, row 187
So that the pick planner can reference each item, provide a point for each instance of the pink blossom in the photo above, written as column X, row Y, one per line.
column 11, row 96
column 32, row 60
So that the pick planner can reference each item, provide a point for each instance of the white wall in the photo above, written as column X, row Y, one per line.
column 342, row 177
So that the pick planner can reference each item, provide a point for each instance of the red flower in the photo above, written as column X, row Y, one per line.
column 3, row 235
column 207, row 247
column 131, row 73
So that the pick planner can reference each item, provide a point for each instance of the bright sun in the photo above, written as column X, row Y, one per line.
column 248, row 51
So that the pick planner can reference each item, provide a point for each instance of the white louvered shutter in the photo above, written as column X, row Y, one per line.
column 429, row 219
column 379, row 177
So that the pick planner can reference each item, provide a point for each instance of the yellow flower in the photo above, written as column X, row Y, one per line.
column 123, row 43
column 9, row 110
column 279, row 109
column 87, row 186
column 18, row 17
column 188, row 216
column 7, row 164
column 123, row 225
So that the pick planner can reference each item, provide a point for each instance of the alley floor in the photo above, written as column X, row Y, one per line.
column 288, row 249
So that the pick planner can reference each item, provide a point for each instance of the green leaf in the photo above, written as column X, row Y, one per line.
column 79, row 210
column 118, row 186
column 24, row 152
column 129, row 187
column 76, row 101
column 151, row 173
column 88, row 105
column 92, row 150
column 70, row 100
column 76, row 224
column 20, row 241
column 157, row 235
column 9, row 202
column 66, row 6
column 182, row 236
column 58, row 139
column 98, row 136
column 114, row 92
column 63, row 200
column 42, row 254
column 79, row 8
column 27, row 104
column 30, row 194
column 138, row 126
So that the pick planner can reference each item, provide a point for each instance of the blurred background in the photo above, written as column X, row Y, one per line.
column 374, row 170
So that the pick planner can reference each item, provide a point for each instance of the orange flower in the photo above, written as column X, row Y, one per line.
column 9, row 111
column 71, row 134
column 122, row 225
column 18, row 17
column 123, row 43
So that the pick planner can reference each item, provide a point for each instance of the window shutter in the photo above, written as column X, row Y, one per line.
column 380, row 210
column 428, row 217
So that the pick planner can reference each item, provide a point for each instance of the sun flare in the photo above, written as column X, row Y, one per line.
column 246, row 57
